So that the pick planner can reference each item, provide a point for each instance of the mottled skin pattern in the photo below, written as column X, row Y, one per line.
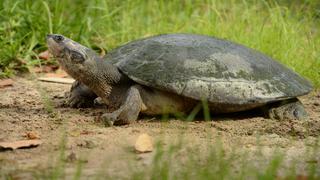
column 172, row 73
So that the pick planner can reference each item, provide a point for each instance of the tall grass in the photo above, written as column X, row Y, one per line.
column 287, row 31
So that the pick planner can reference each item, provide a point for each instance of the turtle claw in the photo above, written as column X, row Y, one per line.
column 99, row 102
column 117, row 117
column 109, row 119
column 128, row 112
column 76, row 102
column 80, row 96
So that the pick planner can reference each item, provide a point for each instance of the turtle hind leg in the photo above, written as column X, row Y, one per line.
column 80, row 96
column 128, row 111
column 291, row 109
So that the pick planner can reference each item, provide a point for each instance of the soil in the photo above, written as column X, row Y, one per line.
column 30, row 106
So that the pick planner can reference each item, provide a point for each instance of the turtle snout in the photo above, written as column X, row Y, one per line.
column 49, row 36
column 56, row 37
column 54, row 46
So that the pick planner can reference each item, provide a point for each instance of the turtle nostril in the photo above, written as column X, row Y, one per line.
column 58, row 38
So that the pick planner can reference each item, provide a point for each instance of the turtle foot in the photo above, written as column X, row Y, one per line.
column 121, row 116
column 114, row 118
column 128, row 112
column 77, row 101
column 291, row 109
column 80, row 96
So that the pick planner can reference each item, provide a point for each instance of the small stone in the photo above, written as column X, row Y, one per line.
column 144, row 144
column 72, row 157
column 59, row 96
column 32, row 135
column 273, row 135
column 299, row 129
column 87, row 144
column 135, row 131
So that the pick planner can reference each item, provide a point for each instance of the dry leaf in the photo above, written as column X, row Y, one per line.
column 6, row 82
column 32, row 135
column 144, row 144
column 302, row 177
column 60, row 71
column 59, row 75
column 86, row 132
column 57, row 80
column 44, row 55
column 20, row 144
column 36, row 69
column 43, row 69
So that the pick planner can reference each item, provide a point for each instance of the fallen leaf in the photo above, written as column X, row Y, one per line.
column 144, row 144
column 302, row 177
column 6, row 82
column 36, row 69
column 20, row 144
column 44, row 55
column 32, row 135
column 86, row 132
column 56, row 75
column 43, row 69
column 57, row 80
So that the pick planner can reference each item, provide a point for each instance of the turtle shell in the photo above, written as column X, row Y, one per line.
column 203, row 67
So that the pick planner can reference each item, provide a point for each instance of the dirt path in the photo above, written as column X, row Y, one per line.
column 32, row 106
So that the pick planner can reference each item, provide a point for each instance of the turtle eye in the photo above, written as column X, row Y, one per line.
column 76, row 57
column 58, row 38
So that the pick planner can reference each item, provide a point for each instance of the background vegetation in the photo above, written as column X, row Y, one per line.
column 286, row 30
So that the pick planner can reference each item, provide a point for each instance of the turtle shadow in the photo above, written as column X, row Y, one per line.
column 238, row 116
column 235, row 116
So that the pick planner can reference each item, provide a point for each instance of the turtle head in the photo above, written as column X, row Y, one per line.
column 75, row 59
column 82, row 63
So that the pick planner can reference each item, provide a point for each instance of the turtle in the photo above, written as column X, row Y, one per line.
column 173, row 73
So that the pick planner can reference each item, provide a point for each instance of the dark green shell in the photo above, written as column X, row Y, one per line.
column 200, row 67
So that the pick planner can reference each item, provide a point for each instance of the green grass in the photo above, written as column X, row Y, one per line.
column 285, row 30
column 178, row 161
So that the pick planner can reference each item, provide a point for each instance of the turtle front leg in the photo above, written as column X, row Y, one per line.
column 291, row 109
column 80, row 96
column 128, row 111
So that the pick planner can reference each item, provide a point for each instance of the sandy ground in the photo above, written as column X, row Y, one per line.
column 25, row 107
